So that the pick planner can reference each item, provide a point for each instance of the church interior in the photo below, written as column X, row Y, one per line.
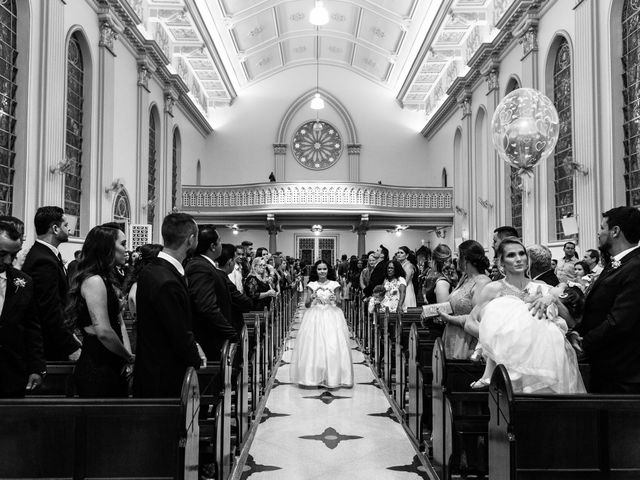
column 318, row 129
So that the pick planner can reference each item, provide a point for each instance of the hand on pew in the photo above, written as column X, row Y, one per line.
column 203, row 357
column 35, row 380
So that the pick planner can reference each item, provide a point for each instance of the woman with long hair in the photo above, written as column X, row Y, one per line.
column 534, row 351
column 257, row 286
column 474, row 263
column 405, row 257
column 322, row 353
column 438, row 284
column 395, row 287
column 95, row 308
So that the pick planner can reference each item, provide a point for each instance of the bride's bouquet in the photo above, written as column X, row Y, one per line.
column 324, row 296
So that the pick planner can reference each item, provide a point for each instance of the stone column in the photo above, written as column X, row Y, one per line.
column 465, row 176
column 165, row 171
column 272, row 228
column 354, row 161
column 585, row 122
column 533, row 193
column 497, row 184
column 280, row 154
column 362, row 244
column 105, row 114
column 138, row 210
column 51, row 142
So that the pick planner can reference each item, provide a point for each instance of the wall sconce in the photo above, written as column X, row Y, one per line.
column 148, row 203
column 578, row 167
column 398, row 230
column 441, row 232
column 61, row 168
column 235, row 229
column 485, row 203
column 460, row 211
column 316, row 229
column 114, row 187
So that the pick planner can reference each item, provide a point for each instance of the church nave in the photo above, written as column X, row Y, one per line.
column 345, row 433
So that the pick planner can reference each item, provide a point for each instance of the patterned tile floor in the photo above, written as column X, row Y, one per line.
column 313, row 433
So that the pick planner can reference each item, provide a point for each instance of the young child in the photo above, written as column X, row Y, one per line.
column 376, row 298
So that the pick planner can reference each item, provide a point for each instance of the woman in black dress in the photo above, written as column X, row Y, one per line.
column 257, row 286
column 95, row 307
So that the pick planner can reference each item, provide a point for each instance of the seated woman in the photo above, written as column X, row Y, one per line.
column 534, row 351
column 322, row 354
column 95, row 307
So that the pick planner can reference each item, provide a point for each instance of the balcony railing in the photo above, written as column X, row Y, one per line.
column 322, row 196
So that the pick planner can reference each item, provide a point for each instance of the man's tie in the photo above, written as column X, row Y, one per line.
column 3, row 290
column 61, row 262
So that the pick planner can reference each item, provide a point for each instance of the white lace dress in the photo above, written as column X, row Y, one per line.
column 322, row 353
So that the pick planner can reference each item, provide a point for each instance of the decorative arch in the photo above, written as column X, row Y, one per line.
column 122, row 206
column 198, row 173
column 481, row 173
column 515, row 182
column 512, row 84
column 305, row 98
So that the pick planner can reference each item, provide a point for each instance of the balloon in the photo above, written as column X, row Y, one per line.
column 525, row 129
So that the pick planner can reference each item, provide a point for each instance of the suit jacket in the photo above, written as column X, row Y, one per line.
column 165, row 345
column 549, row 278
column 51, row 289
column 611, row 323
column 240, row 303
column 21, row 350
column 211, row 305
column 377, row 278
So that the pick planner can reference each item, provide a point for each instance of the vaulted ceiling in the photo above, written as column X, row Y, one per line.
column 416, row 48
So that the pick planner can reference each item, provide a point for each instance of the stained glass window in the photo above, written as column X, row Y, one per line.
column 515, row 182
column 74, row 128
column 631, row 95
column 174, row 170
column 8, row 71
column 122, row 207
column 151, row 192
column 562, row 171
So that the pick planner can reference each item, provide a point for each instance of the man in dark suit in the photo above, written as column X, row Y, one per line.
column 378, row 274
column 540, row 265
column 165, row 343
column 44, row 265
column 209, row 294
column 22, row 364
column 610, row 326
column 240, row 303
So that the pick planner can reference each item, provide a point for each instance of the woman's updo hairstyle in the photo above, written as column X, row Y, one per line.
column 473, row 253
column 441, row 257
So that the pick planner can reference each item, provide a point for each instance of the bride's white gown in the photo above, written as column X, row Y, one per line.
column 322, row 353
column 534, row 351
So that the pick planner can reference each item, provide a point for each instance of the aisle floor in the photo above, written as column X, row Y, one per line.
column 315, row 433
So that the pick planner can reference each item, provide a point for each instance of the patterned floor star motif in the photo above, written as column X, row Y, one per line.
column 330, row 437
column 415, row 467
column 373, row 383
column 251, row 467
column 388, row 414
column 277, row 383
column 267, row 414
column 327, row 397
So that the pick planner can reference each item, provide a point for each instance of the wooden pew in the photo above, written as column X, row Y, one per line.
column 460, row 417
column 558, row 437
column 58, row 382
column 101, row 438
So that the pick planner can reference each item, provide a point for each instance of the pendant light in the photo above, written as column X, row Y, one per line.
column 317, row 103
column 319, row 15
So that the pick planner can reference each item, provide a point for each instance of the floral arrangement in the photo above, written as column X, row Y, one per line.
column 324, row 296
column 19, row 283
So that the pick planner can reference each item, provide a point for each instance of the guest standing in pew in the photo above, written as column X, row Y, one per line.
column 540, row 267
column 379, row 272
column 94, row 305
column 395, row 287
column 165, row 343
column 22, row 364
column 257, row 285
column 240, row 303
column 610, row 326
column 146, row 253
column 210, row 300
column 459, row 344
column 44, row 265
column 534, row 351
column 438, row 285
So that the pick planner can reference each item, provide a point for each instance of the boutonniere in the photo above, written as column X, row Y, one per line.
column 19, row 283
column 616, row 264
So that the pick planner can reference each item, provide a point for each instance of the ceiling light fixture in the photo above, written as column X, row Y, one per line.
column 316, row 229
column 317, row 103
column 319, row 15
column 398, row 229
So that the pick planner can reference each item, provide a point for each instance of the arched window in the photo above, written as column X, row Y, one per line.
column 515, row 182
column 151, row 192
column 8, row 71
column 175, row 157
column 122, row 207
column 631, row 95
column 74, row 130
column 562, row 171
column 198, row 173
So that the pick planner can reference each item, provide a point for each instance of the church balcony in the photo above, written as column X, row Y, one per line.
column 425, row 205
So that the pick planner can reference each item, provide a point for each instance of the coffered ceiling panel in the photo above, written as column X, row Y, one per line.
column 336, row 50
column 254, row 31
column 301, row 49
column 382, row 33
column 262, row 63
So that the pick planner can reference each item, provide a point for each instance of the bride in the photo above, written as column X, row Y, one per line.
column 534, row 351
column 322, row 355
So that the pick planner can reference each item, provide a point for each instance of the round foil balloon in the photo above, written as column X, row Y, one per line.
column 525, row 129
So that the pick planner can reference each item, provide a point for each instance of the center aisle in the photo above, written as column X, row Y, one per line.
column 346, row 433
